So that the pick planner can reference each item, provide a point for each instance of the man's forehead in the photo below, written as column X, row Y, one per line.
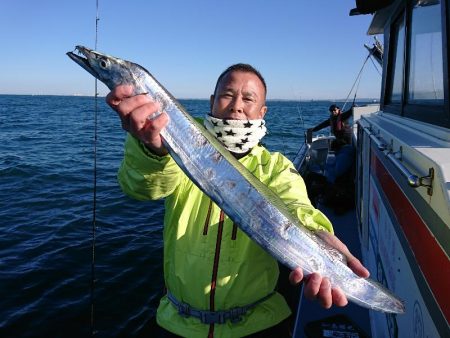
column 228, row 78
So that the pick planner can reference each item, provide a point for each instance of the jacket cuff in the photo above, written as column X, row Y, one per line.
column 149, row 153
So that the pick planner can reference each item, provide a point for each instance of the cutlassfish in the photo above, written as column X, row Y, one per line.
column 258, row 211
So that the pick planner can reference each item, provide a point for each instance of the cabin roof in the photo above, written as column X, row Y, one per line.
column 381, row 17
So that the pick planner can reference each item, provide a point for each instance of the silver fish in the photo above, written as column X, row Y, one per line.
column 259, row 212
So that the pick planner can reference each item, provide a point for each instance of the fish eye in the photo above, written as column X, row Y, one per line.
column 104, row 63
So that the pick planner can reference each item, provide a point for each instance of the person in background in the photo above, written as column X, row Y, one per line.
column 338, row 123
column 340, row 173
column 219, row 282
column 339, row 126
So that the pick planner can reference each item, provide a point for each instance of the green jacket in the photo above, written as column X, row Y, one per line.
column 208, row 262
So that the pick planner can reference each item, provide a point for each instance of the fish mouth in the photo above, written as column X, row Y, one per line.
column 81, row 55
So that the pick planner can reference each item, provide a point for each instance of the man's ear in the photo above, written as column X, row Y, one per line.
column 262, row 112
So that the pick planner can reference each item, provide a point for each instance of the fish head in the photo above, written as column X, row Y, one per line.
column 110, row 70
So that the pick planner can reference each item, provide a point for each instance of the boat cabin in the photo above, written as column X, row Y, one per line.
column 403, row 171
column 402, row 176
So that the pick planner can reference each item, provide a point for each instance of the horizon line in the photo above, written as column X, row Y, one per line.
column 205, row 99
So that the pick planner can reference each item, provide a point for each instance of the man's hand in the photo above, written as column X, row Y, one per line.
column 318, row 287
column 138, row 115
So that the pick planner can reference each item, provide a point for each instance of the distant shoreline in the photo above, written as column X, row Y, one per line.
column 203, row 99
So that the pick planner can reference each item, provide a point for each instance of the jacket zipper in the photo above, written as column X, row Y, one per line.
column 208, row 215
column 206, row 225
column 215, row 270
column 234, row 233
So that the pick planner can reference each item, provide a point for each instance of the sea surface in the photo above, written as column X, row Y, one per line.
column 47, row 211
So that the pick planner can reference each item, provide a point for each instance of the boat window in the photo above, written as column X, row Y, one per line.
column 426, row 84
column 398, row 61
column 416, row 72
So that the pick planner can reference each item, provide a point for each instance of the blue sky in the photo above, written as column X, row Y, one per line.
column 304, row 49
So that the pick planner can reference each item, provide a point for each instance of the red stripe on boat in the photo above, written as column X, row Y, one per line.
column 432, row 260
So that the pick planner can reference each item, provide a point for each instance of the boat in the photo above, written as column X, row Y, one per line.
column 399, row 222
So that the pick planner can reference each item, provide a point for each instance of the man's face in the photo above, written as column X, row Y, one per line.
column 239, row 96
column 336, row 111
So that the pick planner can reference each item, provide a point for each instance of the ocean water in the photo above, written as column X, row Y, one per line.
column 47, row 211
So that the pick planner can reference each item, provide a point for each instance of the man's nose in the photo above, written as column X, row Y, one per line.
column 237, row 105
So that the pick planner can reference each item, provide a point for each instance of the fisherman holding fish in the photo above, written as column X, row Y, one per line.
column 219, row 282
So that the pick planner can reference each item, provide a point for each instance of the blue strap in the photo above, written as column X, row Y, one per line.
column 234, row 315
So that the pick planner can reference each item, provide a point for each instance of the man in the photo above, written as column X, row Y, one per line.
column 210, row 265
column 339, row 125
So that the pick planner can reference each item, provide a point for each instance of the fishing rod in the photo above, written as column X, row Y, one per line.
column 94, row 204
column 356, row 83
column 359, row 76
column 357, row 80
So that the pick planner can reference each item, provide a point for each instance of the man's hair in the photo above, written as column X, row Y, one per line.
column 241, row 67
column 332, row 108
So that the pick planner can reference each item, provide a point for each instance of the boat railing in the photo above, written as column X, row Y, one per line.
column 313, row 153
column 396, row 159
column 301, row 156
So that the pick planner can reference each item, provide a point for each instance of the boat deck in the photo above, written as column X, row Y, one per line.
column 345, row 227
